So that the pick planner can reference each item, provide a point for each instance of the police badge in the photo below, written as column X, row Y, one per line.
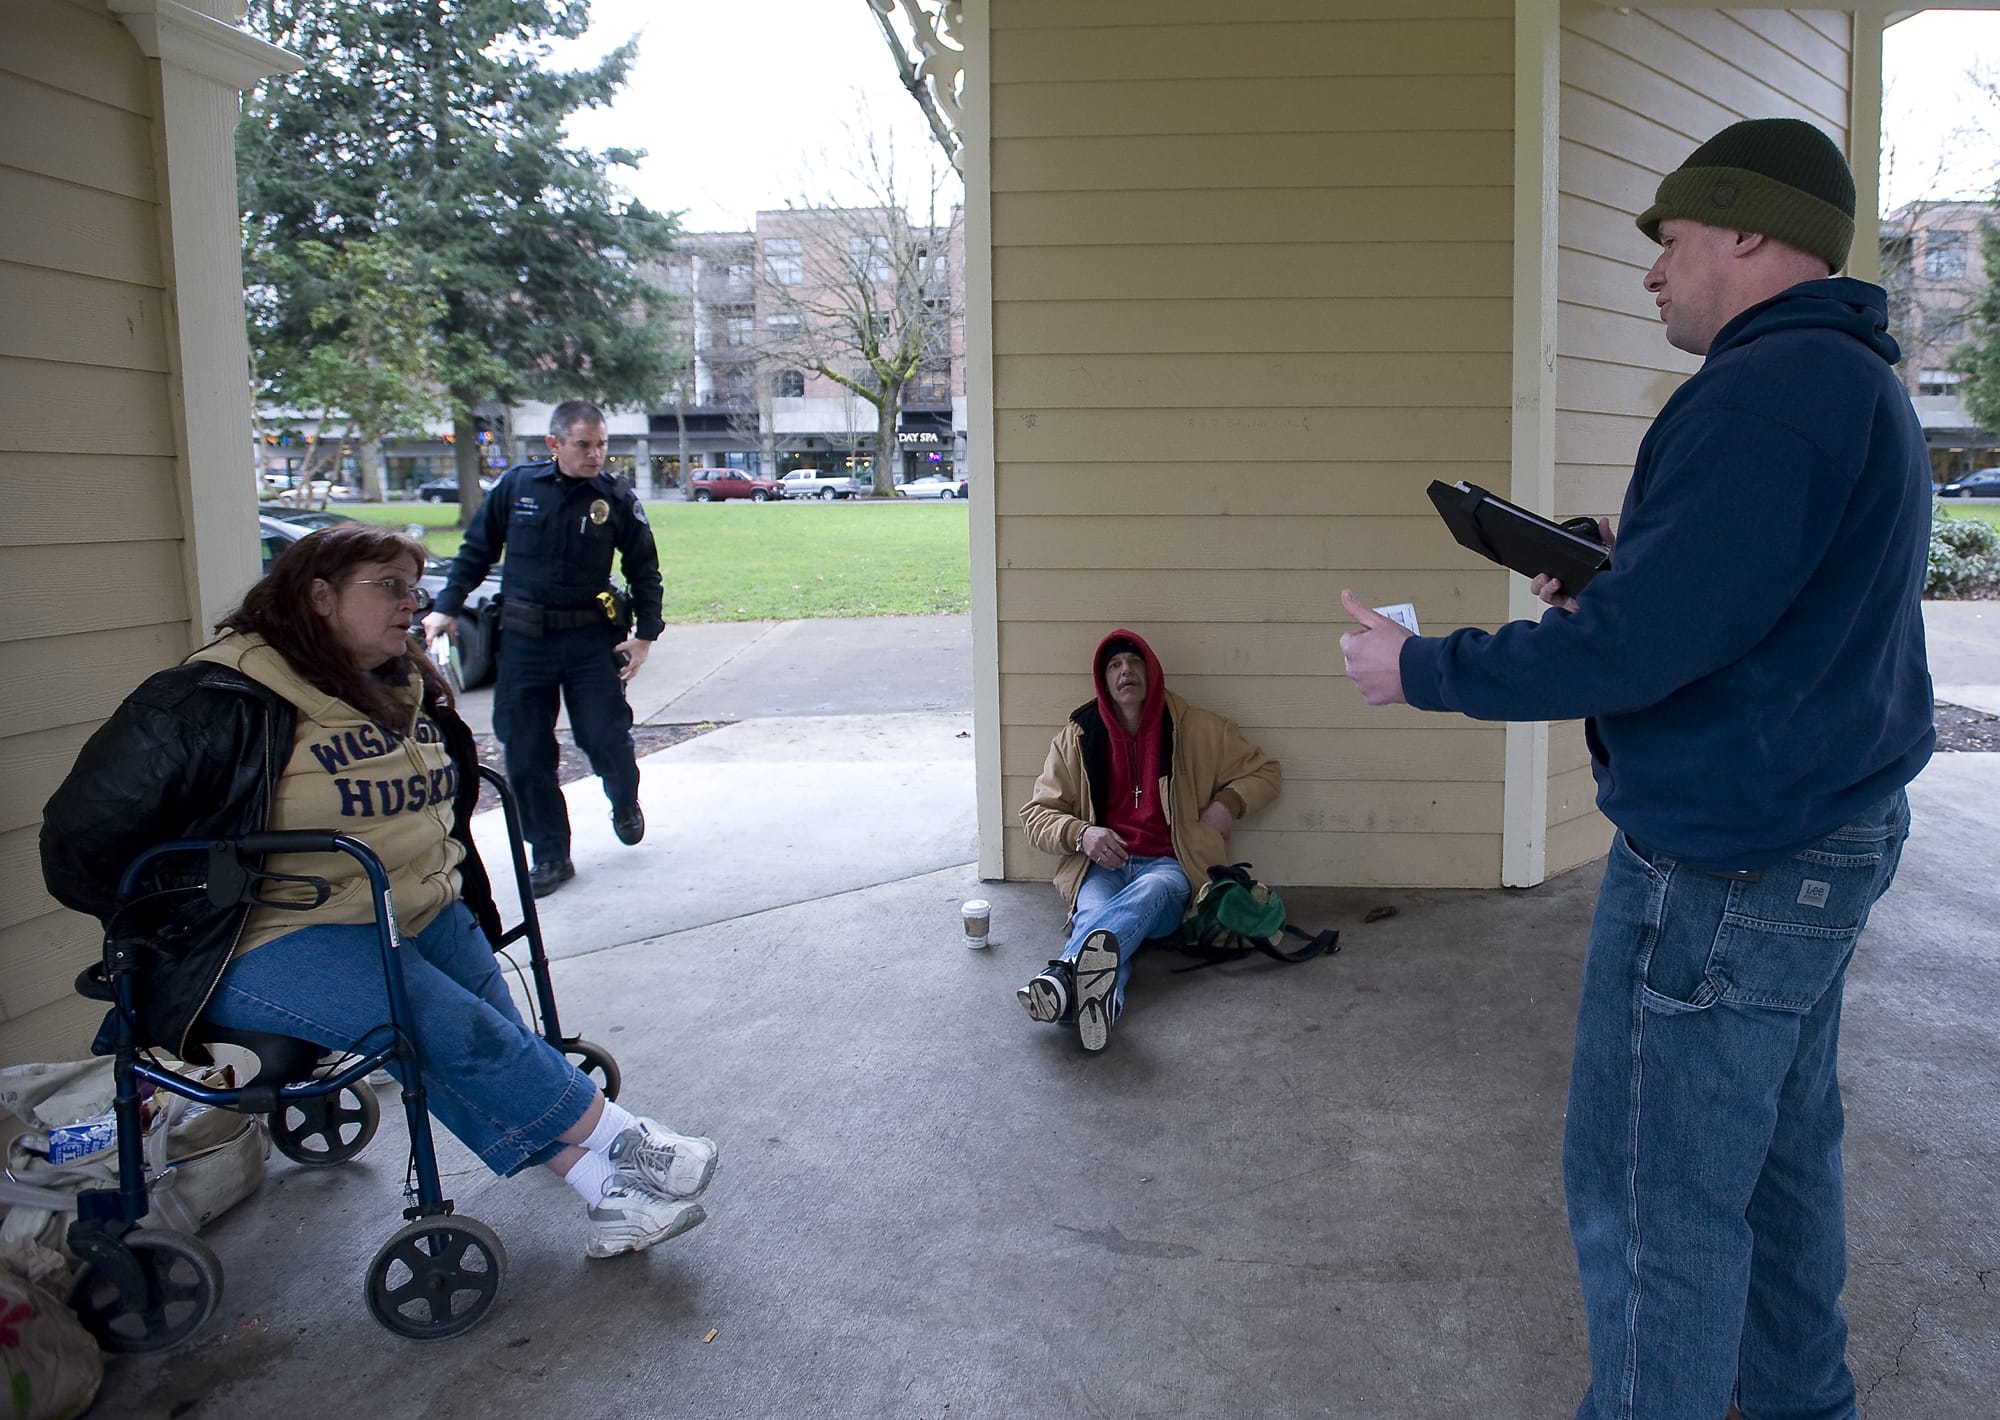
column 600, row 511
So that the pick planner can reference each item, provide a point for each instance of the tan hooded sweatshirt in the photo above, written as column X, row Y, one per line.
column 393, row 791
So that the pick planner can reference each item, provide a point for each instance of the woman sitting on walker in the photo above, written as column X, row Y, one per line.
column 316, row 709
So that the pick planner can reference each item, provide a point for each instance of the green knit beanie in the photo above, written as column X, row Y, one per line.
column 1780, row 177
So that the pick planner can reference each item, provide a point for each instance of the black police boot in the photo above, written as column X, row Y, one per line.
column 628, row 820
column 545, row 878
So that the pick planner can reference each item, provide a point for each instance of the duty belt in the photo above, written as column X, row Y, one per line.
column 533, row 619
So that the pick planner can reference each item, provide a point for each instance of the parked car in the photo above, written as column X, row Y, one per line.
column 933, row 485
column 711, row 485
column 445, row 490
column 310, row 519
column 811, row 483
column 473, row 653
column 1984, row 483
column 286, row 488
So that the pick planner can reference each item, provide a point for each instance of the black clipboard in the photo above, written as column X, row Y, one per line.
column 1526, row 542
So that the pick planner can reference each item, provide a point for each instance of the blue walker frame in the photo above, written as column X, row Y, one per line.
column 107, row 1217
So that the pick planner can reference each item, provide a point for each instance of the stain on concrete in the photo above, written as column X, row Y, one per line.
column 197, row 1381
column 1111, row 1240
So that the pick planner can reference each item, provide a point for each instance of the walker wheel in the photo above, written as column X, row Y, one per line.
column 596, row 1062
column 326, row 1129
column 180, row 1286
column 436, row 1278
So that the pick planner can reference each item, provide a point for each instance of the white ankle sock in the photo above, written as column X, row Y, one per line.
column 588, row 1176
column 614, row 1121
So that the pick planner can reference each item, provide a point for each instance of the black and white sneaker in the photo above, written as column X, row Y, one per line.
column 1096, row 979
column 1048, row 997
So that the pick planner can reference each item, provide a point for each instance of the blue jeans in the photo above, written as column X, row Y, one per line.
column 578, row 666
column 503, row 1091
column 1701, row 1157
column 1145, row 898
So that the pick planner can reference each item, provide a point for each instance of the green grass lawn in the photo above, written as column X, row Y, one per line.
column 1985, row 511
column 740, row 561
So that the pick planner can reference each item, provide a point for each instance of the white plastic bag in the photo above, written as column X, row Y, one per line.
column 52, row 1365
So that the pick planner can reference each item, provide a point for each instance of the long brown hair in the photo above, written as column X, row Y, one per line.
column 279, row 609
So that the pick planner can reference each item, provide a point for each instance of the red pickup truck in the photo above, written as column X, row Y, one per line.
column 709, row 485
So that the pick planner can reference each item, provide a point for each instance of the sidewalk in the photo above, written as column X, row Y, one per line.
column 851, row 766
column 1330, row 1190
column 741, row 670
column 1963, row 639
column 761, row 815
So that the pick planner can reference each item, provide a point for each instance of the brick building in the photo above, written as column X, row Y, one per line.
column 758, row 312
column 1933, row 266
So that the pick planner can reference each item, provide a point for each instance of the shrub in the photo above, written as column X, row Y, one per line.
column 1964, row 560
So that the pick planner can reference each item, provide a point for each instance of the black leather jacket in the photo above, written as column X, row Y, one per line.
column 195, row 752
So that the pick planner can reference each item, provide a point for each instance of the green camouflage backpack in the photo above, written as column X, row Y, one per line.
column 1235, row 915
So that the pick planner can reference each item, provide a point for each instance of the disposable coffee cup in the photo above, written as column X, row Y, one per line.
column 978, row 919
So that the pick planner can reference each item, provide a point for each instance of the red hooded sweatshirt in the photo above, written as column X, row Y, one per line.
column 1134, row 811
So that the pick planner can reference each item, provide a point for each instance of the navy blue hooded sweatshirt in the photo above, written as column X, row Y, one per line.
column 1752, row 662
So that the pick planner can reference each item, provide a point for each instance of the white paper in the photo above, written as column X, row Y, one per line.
column 1404, row 614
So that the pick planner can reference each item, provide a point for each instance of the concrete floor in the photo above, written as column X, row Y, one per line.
column 1325, row 1190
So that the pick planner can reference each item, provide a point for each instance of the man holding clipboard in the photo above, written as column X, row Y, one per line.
column 1751, row 663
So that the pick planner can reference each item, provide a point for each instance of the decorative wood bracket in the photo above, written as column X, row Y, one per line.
column 931, row 62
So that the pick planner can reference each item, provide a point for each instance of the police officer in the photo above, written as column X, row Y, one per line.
column 559, row 521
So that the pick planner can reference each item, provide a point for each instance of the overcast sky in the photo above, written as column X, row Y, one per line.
column 744, row 105
column 1945, row 132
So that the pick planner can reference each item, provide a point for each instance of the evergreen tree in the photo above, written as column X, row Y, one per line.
column 439, row 123
column 368, row 367
column 1979, row 359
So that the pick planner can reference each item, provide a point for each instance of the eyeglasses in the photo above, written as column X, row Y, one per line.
column 396, row 587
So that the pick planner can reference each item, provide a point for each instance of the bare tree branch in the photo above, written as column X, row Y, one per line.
column 865, row 296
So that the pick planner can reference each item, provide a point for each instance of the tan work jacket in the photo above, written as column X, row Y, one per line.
column 1211, row 760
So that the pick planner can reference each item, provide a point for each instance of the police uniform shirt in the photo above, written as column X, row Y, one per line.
column 559, row 535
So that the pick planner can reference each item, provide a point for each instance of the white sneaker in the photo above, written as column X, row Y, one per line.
column 632, row 1216
column 678, row 1165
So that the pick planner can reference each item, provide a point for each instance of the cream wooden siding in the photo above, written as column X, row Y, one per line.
column 1640, row 89
column 1251, row 292
column 91, row 560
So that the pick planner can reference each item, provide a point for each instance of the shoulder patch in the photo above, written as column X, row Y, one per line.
column 639, row 511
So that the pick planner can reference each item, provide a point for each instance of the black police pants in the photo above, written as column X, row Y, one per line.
column 578, row 664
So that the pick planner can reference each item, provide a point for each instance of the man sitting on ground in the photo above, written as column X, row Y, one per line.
column 1137, row 799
